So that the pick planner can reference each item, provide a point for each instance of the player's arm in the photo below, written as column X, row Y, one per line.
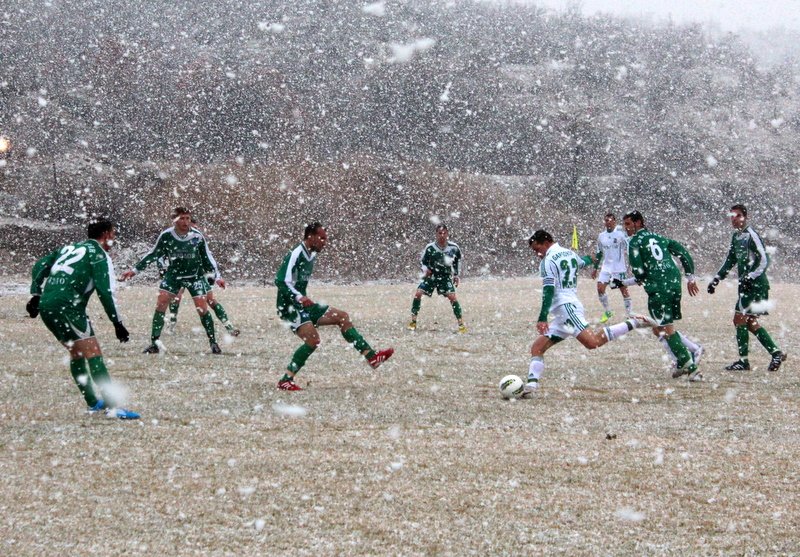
column 286, row 283
column 730, row 261
column 209, row 264
column 548, row 293
column 585, row 261
column 457, row 267
column 41, row 270
column 636, row 262
column 677, row 249
column 158, row 250
column 105, row 285
column 425, row 261
column 757, row 245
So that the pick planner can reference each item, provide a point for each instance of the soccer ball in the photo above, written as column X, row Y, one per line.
column 511, row 386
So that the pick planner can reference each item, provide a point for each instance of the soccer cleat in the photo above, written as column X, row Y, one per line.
column 152, row 349
column 739, row 365
column 99, row 405
column 606, row 316
column 644, row 321
column 412, row 326
column 288, row 385
column 697, row 354
column 530, row 388
column 694, row 374
column 777, row 359
column 215, row 349
column 686, row 370
column 233, row 331
column 462, row 329
column 121, row 414
column 380, row 357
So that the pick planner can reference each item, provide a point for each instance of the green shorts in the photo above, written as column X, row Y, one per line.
column 753, row 301
column 443, row 285
column 299, row 316
column 665, row 307
column 67, row 323
column 195, row 285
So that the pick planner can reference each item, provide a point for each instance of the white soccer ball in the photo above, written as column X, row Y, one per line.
column 511, row 386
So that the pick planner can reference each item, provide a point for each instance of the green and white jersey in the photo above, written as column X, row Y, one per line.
column 748, row 253
column 73, row 273
column 650, row 256
column 611, row 249
column 442, row 262
column 559, row 269
column 183, row 256
column 294, row 274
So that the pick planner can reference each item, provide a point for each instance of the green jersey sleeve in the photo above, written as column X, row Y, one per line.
column 677, row 249
column 41, row 270
column 105, row 283
column 158, row 250
column 730, row 260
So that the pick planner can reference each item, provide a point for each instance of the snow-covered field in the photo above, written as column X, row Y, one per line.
column 421, row 457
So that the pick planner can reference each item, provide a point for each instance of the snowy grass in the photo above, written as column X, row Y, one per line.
column 422, row 457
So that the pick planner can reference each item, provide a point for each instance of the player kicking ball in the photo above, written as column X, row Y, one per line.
column 304, row 315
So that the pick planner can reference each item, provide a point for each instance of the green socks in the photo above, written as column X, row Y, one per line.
column 208, row 325
column 158, row 325
column 352, row 336
column 83, row 380
column 101, row 378
column 766, row 341
column 415, row 305
column 219, row 311
column 678, row 349
column 743, row 341
column 300, row 356
column 457, row 310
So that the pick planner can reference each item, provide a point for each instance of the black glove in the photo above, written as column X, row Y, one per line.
column 211, row 281
column 712, row 287
column 616, row 283
column 747, row 283
column 32, row 307
column 121, row 332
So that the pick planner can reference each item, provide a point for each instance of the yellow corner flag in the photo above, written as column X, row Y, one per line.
column 574, row 237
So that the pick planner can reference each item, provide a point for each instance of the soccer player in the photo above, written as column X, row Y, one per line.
column 748, row 254
column 559, row 272
column 612, row 244
column 73, row 273
column 441, row 265
column 304, row 315
column 650, row 256
column 188, row 261
column 213, row 303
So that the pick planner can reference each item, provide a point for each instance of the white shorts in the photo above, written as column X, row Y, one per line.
column 568, row 321
column 607, row 276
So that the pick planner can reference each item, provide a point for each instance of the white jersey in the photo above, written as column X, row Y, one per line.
column 559, row 269
column 613, row 245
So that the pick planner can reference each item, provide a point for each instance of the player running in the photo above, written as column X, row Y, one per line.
column 441, row 265
column 612, row 244
column 747, row 252
column 73, row 273
column 559, row 272
column 188, row 261
column 304, row 316
column 650, row 256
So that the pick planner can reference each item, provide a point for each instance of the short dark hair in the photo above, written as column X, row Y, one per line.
column 312, row 229
column 635, row 216
column 178, row 211
column 540, row 237
column 96, row 229
column 740, row 207
column 441, row 226
column 612, row 215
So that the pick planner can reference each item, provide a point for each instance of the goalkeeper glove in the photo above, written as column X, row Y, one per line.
column 121, row 332
column 712, row 287
column 32, row 307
